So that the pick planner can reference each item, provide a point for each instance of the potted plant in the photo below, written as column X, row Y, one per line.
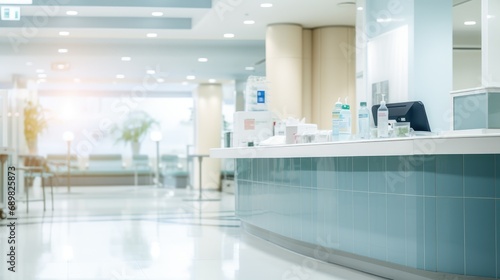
column 34, row 124
column 134, row 128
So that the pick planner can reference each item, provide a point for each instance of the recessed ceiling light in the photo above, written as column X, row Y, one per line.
column 126, row 58
column 71, row 13
column 119, row 76
column 63, row 33
column 212, row 81
column 185, row 83
column 249, row 22
column 190, row 77
column 157, row 14
column 41, row 76
column 346, row 3
column 61, row 66
column 470, row 22
column 29, row 63
column 160, row 80
column 249, row 68
column 41, row 81
column 360, row 8
column 152, row 35
column 62, row 50
column 382, row 20
column 40, row 70
column 150, row 72
column 229, row 35
column 266, row 5
column 76, row 80
column 490, row 16
column 202, row 59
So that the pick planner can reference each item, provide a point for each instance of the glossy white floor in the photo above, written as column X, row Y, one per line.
column 147, row 233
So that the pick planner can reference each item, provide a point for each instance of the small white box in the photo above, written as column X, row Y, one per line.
column 293, row 130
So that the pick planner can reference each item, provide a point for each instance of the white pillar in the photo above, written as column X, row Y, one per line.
column 208, row 100
column 284, row 69
column 490, row 29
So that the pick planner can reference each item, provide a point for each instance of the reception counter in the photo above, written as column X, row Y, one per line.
column 405, row 208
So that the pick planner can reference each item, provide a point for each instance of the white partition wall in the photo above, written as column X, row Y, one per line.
column 490, row 13
column 415, row 39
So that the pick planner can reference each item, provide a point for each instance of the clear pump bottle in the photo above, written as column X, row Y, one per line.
column 383, row 120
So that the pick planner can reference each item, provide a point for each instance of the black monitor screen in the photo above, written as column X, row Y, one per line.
column 412, row 112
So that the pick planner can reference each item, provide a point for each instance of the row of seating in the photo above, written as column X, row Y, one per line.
column 110, row 169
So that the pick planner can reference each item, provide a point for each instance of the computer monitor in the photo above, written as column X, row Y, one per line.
column 412, row 112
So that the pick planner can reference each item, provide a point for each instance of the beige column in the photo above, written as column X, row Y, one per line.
column 333, row 73
column 208, row 102
column 307, row 74
column 284, row 69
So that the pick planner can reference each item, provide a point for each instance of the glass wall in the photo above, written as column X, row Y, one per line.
column 91, row 118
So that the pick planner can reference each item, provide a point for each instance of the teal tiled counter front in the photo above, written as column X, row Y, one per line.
column 438, row 213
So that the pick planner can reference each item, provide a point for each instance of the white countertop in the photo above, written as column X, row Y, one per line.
column 453, row 143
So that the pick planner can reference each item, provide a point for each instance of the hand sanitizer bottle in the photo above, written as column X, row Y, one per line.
column 336, row 120
column 383, row 120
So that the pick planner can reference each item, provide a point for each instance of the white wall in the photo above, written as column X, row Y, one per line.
column 466, row 69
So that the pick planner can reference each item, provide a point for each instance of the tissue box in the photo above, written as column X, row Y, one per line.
column 299, row 129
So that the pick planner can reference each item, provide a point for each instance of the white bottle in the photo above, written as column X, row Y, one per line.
column 363, row 121
column 336, row 120
column 383, row 120
column 345, row 123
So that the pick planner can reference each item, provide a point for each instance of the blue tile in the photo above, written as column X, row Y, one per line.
column 314, row 172
column 330, row 173
column 480, row 237
column 360, row 174
column 450, row 235
column 255, row 170
column 479, row 176
column 295, row 214
column 429, row 175
column 415, row 175
column 415, row 232
column 265, row 170
column 361, row 224
column 395, row 174
column 345, row 208
column 377, row 182
column 295, row 176
column 287, row 171
column 305, row 172
column 430, row 234
column 497, row 176
column 449, row 175
column 345, row 173
column 396, row 231
column 322, row 167
column 319, row 209
column 307, row 225
column 331, row 218
column 333, row 176
column 279, row 170
column 378, row 226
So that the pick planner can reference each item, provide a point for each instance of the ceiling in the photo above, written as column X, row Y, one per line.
column 104, row 31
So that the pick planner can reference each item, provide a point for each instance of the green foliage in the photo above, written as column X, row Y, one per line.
column 34, row 121
column 135, row 127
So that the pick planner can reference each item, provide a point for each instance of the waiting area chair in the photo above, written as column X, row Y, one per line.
column 33, row 167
